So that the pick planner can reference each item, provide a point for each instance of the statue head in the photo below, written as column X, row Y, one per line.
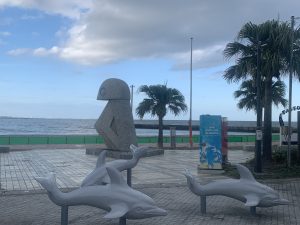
column 113, row 89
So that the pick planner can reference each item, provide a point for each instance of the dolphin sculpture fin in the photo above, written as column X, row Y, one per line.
column 245, row 173
column 116, row 211
column 101, row 159
column 133, row 148
column 252, row 200
column 188, row 174
column 138, row 152
column 116, row 177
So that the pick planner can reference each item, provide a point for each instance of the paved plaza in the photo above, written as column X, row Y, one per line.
column 71, row 166
column 24, row 202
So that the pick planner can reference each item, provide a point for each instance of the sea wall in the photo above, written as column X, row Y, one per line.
column 96, row 139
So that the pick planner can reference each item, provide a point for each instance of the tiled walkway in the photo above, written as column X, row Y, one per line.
column 19, row 168
column 160, row 177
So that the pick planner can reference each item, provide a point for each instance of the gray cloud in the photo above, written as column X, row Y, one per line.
column 114, row 30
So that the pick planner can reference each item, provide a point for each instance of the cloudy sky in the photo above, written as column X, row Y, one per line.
column 55, row 54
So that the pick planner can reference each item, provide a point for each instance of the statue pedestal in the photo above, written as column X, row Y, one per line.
column 122, row 154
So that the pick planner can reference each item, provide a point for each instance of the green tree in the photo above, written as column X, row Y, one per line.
column 247, row 95
column 160, row 99
column 275, row 40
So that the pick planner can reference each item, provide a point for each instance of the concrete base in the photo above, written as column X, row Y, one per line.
column 4, row 149
column 122, row 154
column 201, row 170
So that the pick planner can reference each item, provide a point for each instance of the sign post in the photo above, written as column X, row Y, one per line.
column 224, row 140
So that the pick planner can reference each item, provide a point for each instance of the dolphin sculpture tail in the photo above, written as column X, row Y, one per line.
column 193, row 185
column 49, row 183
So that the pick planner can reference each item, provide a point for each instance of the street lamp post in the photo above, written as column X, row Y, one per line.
column 129, row 172
column 191, row 86
column 131, row 97
column 258, row 166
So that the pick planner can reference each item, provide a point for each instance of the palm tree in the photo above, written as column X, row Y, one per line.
column 161, row 99
column 276, row 39
column 247, row 95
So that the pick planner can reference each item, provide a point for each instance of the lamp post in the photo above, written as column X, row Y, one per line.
column 129, row 172
column 131, row 97
column 191, row 86
column 258, row 166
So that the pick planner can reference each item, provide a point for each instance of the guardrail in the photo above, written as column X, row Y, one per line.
column 96, row 139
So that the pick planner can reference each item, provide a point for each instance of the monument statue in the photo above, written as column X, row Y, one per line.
column 115, row 124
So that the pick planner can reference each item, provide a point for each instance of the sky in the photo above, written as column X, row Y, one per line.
column 55, row 54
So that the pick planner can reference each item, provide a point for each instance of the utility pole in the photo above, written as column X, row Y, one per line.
column 258, row 165
column 191, row 89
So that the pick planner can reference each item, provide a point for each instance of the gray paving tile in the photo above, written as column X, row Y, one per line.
column 19, row 168
column 181, row 204
column 160, row 177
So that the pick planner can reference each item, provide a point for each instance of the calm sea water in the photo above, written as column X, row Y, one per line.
column 36, row 126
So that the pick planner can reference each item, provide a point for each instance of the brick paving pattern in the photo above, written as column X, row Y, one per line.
column 23, row 201
column 18, row 169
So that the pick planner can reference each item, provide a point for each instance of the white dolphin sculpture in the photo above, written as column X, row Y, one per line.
column 117, row 197
column 99, row 175
column 245, row 189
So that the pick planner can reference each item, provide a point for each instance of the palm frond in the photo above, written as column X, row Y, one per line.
column 163, row 99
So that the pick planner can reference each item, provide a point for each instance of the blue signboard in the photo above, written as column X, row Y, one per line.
column 210, row 142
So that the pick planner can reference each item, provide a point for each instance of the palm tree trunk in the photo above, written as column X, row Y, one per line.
column 160, row 132
column 267, row 138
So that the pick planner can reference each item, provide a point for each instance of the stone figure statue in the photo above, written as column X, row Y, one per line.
column 116, row 197
column 115, row 124
column 245, row 189
column 99, row 175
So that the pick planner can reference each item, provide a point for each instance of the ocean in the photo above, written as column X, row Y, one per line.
column 40, row 126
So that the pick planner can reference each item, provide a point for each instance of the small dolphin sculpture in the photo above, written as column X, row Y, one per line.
column 117, row 197
column 99, row 175
column 245, row 189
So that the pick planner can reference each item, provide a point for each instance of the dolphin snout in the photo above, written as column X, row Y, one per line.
column 158, row 212
column 283, row 201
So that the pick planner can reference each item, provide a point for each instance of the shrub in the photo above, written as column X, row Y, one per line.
column 280, row 156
